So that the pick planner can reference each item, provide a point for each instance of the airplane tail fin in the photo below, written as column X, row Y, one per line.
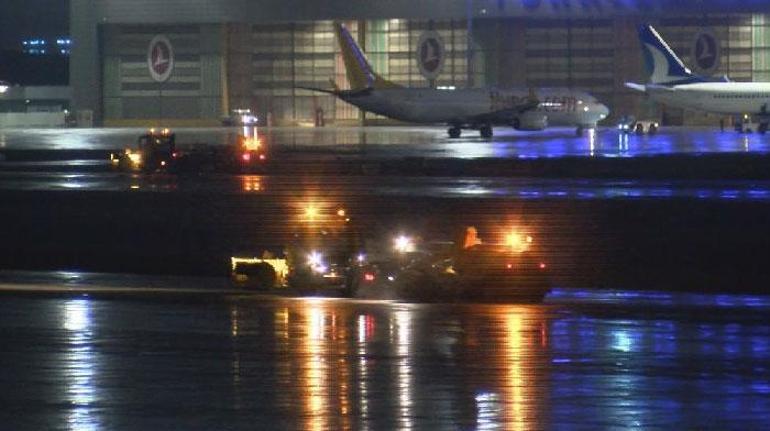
column 663, row 66
column 359, row 71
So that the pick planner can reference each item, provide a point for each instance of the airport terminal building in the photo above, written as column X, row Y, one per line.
column 190, row 62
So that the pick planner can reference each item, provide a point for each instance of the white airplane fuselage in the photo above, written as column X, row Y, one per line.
column 560, row 106
column 728, row 98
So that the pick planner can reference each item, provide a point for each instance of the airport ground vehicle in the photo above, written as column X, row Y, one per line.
column 262, row 273
column 746, row 124
column 640, row 127
column 240, row 117
column 308, row 274
column 332, row 263
column 463, row 271
column 317, row 259
column 156, row 151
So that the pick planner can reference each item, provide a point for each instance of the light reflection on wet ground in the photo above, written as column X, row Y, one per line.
column 238, row 363
column 443, row 187
column 375, row 142
column 587, row 359
column 658, row 299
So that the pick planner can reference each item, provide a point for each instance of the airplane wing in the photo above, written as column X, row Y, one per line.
column 648, row 87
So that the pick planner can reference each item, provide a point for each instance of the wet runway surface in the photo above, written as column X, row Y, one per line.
column 377, row 142
column 239, row 363
column 393, row 186
column 626, row 339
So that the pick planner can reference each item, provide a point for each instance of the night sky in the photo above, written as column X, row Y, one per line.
column 21, row 19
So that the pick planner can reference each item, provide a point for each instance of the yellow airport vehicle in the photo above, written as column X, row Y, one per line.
column 259, row 272
column 315, row 260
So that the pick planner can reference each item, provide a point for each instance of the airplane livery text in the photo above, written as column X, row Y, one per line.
column 501, row 101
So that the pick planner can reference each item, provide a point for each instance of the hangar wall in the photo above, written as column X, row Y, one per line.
column 248, row 54
column 195, row 90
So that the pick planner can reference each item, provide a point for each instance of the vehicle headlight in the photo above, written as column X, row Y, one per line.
column 136, row 158
column 517, row 241
column 320, row 269
column 315, row 262
column 403, row 244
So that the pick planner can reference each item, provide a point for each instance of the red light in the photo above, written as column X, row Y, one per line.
column 246, row 157
column 509, row 266
column 369, row 276
column 542, row 265
column 261, row 157
column 174, row 155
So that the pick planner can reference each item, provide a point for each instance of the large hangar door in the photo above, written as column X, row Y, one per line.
column 191, row 94
column 290, row 55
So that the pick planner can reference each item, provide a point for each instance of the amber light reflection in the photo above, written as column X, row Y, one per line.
column 324, row 367
column 251, row 183
column 401, row 335
column 517, row 403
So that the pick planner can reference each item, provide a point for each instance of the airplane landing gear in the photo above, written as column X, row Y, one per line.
column 454, row 132
column 485, row 132
column 579, row 131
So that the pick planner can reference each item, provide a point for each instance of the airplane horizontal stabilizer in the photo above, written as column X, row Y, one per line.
column 337, row 92
column 658, row 87
column 635, row 86
column 319, row 90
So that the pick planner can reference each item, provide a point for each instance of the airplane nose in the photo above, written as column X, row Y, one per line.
column 602, row 110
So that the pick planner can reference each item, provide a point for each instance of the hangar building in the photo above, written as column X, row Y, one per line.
column 232, row 54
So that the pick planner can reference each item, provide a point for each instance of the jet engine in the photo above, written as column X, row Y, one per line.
column 530, row 121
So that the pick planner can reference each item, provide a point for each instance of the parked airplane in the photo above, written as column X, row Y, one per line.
column 672, row 83
column 478, row 109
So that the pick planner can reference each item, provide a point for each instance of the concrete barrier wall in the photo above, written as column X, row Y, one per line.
column 32, row 119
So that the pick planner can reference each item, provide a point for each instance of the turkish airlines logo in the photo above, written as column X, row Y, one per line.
column 430, row 54
column 160, row 59
column 706, row 52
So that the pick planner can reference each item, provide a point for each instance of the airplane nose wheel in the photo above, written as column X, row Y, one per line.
column 485, row 132
column 454, row 132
